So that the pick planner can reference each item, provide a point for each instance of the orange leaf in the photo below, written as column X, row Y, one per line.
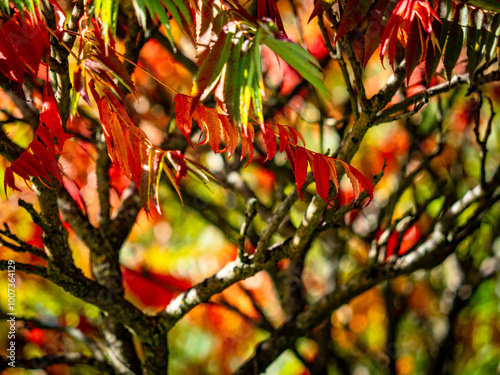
column 247, row 138
column 231, row 135
column 183, row 115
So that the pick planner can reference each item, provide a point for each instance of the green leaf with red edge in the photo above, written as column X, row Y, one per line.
column 270, row 141
column 354, row 12
column 183, row 118
column 454, row 42
column 211, row 66
column 321, row 172
column 300, row 170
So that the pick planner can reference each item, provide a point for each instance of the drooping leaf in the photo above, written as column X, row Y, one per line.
column 378, row 19
column 231, row 135
column 300, row 169
column 454, row 42
column 211, row 67
column 492, row 37
column 358, row 180
column 413, row 52
column 319, row 7
column 474, row 45
column 247, row 139
column 321, row 172
column 269, row 140
column 300, row 60
column 354, row 12
column 269, row 9
column 183, row 115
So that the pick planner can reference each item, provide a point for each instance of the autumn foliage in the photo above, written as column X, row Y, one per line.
column 229, row 187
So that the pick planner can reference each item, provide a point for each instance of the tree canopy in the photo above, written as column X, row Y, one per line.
column 226, row 187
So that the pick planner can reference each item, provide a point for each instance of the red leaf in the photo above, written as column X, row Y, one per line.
column 45, row 136
column 60, row 18
column 321, row 172
column 21, row 34
column 179, row 163
column 319, row 7
column 269, row 140
column 47, row 159
column 9, row 180
column 32, row 165
column 79, row 83
column 354, row 12
column 10, row 63
column 300, row 169
column 50, row 117
column 413, row 52
column 74, row 191
column 151, row 289
column 375, row 26
column 283, row 137
column 269, row 9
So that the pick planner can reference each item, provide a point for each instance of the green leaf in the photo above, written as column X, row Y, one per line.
column 492, row 5
column 212, row 65
column 491, row 38
column 300, row 60
column 4, row 6
column 454, row 42
column 473, row 41
column 156, row 9
column 234, row 79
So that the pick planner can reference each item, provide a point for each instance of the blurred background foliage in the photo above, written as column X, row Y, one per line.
column 401, row 323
